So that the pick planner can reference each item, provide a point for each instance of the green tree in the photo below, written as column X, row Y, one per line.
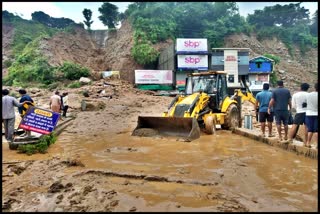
column 49, row 21
column 109, row 14
column 314, row 25
column 279, row 15
column 87, row 15
column 41, row 17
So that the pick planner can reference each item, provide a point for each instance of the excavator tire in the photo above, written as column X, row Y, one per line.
column 210, row 125
column 232, row 118
column 13, row 146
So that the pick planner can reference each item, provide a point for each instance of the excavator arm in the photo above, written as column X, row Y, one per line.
column 245, row 96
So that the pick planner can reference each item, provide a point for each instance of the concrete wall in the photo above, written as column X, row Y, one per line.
column 100, row 37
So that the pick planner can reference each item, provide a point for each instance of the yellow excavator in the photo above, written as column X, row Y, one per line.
column 204, row 105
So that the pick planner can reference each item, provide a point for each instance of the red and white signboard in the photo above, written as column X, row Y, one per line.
column 199, row 62
column 153, row 77
column 263, row 77
column 191, row 45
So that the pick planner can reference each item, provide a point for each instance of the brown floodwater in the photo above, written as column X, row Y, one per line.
column 261, row 177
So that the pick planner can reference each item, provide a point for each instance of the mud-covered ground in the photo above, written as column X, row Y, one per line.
column 96, row 165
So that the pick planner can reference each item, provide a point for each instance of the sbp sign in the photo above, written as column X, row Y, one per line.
column 198, row 62
column 191, row 45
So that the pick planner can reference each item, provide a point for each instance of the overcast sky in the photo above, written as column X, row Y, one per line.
column 73, row 10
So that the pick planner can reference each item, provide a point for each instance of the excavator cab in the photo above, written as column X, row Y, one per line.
column 213, row 84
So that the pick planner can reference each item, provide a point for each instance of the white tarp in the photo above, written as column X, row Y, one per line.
column 153, row 77
column 199, row 62
column 106, row 74
column 191, row 45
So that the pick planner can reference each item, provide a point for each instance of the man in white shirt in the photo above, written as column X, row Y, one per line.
column 312, row 115
column 299, row 102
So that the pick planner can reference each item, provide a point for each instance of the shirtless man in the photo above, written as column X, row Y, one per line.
column 55, row 103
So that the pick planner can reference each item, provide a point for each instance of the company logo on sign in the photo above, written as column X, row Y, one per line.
column 192, row 44
column 192, row 60
column 231, row 58
column 199, row 62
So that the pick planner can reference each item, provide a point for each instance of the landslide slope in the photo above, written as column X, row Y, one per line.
column 79, row 47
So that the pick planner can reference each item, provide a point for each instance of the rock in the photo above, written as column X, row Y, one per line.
column 55, row 187
column 283, row 77
column 84, row 80
column 282, row 71
column 133, row 209
column 85, row 93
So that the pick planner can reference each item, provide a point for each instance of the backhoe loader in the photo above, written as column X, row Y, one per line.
column 204, row 105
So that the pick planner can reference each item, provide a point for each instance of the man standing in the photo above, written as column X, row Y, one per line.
column 281, row 99
column 312, row 115
column 55, row 103
column 23, row 109
column 8, row 114
column 263, row 98
column 299, row 102
column 65, row 100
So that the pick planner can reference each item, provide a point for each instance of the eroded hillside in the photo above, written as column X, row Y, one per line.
column 81, row 48
column 293, row 70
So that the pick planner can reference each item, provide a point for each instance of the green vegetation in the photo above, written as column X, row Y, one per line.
column 156, row 22
column 7, row 63
column 29, row 65
column 40, row 147
column 87, row 15
column 289, row 22
column 52, row 22
column 109, row 14
column 72, row 71
column 74, row 85
column 273, row 76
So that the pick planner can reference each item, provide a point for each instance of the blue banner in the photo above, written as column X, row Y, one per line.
column 39, row 120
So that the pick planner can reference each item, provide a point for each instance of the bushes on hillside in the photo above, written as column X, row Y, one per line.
column 73, row 71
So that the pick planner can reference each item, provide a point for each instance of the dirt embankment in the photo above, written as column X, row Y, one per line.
column 79, row 47
column 293, row 70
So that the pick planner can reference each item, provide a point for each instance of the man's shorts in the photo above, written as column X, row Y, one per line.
column 299, row 118
column 312, row 123
column 263, row 116
column 282, row 116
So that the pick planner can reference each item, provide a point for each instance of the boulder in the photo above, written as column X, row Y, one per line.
column 84, row 80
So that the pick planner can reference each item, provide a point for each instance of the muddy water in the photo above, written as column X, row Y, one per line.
column 259, row 177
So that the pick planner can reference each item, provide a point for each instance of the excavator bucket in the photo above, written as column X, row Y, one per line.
column 186, row 128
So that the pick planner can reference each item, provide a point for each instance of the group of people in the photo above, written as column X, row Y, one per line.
column 57, row 104
column 8, row 114
column 278, row 104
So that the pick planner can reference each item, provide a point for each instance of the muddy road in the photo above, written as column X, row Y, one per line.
column 96, row 165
